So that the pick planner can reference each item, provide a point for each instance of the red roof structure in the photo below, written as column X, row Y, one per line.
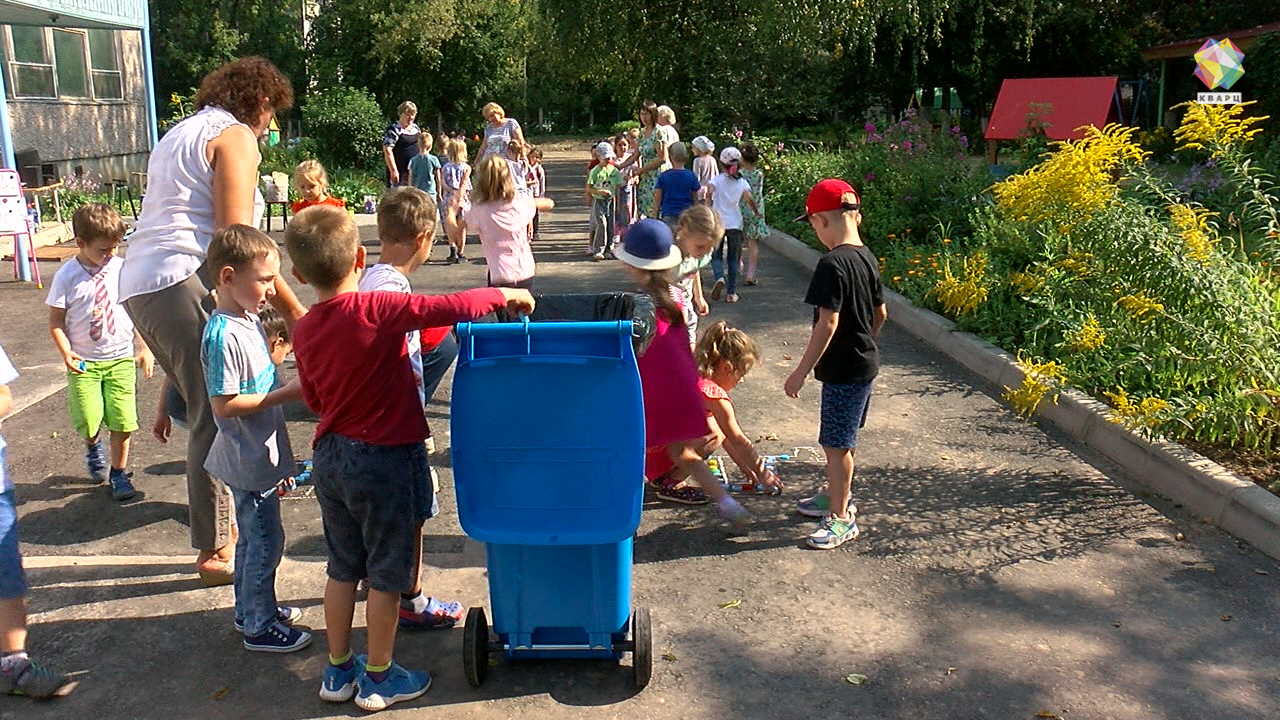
column 1072, row 103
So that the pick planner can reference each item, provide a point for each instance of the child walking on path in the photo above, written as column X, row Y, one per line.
column 312, row 183
column 603, row 182
column 425, row 169
column 754, row 226
column 726, row 194
column 677, row 189
column 697, row 231
column 848, row 311
column 96, row 339
column 19, row 675
column 501, row 218
column 624, row 212
column 370, row 471
column 251, row 452
column 725, row 355
column 406, row 224
column 537, row 182
column 456, row 199
column 676, row 431
column 704, row 162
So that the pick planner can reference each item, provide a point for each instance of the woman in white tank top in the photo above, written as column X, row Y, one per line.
column 202, row 176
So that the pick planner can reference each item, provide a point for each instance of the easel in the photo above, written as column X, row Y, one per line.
column 15, row 222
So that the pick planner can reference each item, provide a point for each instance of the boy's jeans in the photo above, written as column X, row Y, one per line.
column 732, row 239
column 601, row 224
column 258, row 553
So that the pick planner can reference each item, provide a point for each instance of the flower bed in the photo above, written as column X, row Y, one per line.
column 1096, row 267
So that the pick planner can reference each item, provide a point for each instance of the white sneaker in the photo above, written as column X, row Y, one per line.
column 833, row 532
column 599, row 255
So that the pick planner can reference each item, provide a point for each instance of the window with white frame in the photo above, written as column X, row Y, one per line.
column 64, row 63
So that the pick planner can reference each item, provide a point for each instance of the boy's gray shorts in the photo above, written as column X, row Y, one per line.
column 373, row 498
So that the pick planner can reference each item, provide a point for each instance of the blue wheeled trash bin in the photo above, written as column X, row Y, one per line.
column 547, row 438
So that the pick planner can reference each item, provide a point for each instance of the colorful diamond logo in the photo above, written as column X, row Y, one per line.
column 1219, row 64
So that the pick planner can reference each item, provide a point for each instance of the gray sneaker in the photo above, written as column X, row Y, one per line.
column 819, row 506
column 33, row 681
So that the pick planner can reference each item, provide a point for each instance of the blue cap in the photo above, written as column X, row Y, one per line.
column 649, row 245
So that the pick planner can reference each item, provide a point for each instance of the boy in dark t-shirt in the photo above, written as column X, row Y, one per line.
column 849, row 310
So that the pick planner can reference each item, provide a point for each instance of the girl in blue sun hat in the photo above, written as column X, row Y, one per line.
column 676, row 430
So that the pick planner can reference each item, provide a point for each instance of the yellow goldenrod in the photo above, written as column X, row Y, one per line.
column 1078, row 178
column 1146, row 413
column 1025, row 283
column 1039, row 379
column 1140, row 306
column 961, row 296
column 1088, row 337
column 1077, row 263
column 1192, row 224
column 1216, row 127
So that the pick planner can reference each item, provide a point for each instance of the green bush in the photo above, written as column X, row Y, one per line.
column 347, row 126
column 623, row 126
column 912, row 180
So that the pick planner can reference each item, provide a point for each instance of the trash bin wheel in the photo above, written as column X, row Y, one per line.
column 642, row 653
column 475, row 647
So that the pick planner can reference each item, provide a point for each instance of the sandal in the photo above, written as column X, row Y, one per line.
column 215, row 572
column 683, row 494
column 751, row 281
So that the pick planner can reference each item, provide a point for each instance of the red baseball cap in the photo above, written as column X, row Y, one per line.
column 828, row 195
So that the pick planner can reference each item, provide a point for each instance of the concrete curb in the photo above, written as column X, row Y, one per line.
column 1212, row 492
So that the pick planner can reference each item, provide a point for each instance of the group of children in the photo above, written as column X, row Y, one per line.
column 371, row 470
column 733, row 187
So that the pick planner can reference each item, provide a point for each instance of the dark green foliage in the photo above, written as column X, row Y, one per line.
column 347, row 126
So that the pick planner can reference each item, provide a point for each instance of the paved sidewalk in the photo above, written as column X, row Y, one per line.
column 1003, row 571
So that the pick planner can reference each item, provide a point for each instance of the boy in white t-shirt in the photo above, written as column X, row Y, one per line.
column 406, row 224
column 726, row 193
column 95, row 336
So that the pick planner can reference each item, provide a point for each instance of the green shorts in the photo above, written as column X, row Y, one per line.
column 103, row 395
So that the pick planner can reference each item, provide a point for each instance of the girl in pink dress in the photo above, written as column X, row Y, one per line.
column 676, row 430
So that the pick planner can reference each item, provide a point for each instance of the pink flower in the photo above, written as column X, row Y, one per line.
column 780, row 147
column 870, row 127
column 738, row 134
column 906, row 145
column 870, row 177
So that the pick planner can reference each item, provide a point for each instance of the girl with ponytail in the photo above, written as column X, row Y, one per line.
column 677, row 435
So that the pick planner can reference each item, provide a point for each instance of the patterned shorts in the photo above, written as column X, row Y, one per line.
column 844, row 413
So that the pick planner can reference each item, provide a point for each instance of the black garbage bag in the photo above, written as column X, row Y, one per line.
column 604, row 307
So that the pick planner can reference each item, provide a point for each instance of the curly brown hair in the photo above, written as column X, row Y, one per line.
column 240, row 86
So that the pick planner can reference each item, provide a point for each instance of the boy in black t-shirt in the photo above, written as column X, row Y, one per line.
column 848, row 313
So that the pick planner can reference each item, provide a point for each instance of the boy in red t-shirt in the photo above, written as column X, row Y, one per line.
column 370, row 471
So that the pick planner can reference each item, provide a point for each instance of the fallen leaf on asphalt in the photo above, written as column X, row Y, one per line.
column 1224, row 618
column 856, row 679
column 669, row 656
column 785, row 343
column 54, row 435
column 1115, row 624
column 1048, row 715
column 946, row 457
column 730, row 604
column 951, row 670
column 218, row 694
column 786, row 357
column 1260, row 571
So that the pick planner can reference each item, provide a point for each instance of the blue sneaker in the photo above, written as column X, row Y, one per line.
column 339, row 685
column 284, row 616
column 278, row 639
column 121, row 486
column 95, row 460
column 399, row 686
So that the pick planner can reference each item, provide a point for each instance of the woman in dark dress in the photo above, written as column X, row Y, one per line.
column 400, row 144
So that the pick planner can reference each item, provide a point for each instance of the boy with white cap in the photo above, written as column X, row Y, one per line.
column 848, row 312
column 602, row 187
